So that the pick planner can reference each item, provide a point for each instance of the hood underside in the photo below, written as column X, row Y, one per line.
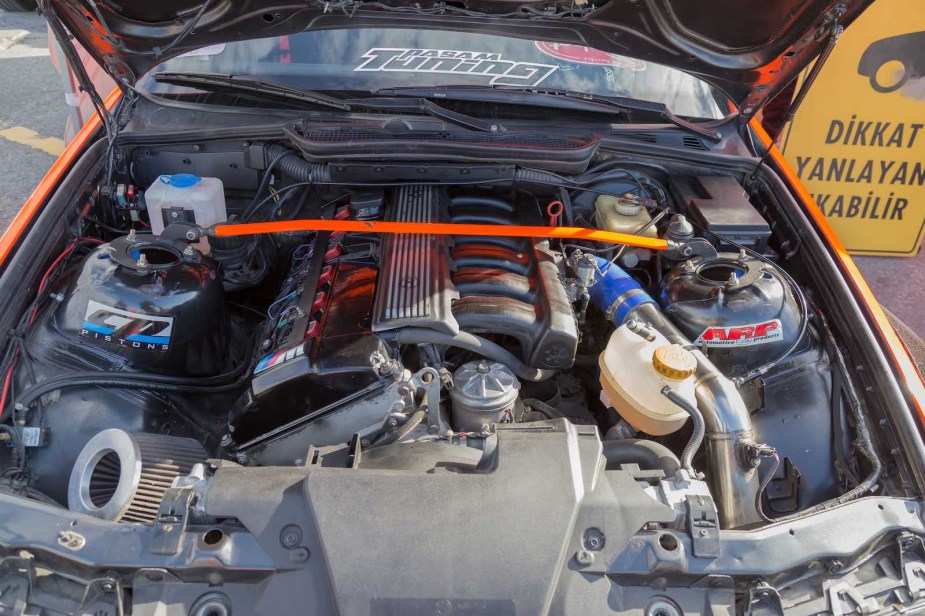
column 749, row 49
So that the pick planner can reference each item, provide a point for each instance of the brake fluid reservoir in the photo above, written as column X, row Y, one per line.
column 184, row 197
column 634, row 369
column 624, row 214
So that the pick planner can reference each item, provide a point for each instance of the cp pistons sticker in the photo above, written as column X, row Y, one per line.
column 489, row 67
column 741, row 335
column 129, row 329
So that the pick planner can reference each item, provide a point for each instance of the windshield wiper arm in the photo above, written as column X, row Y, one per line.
column 635, row 104
column 422, row 105
column 215, row 82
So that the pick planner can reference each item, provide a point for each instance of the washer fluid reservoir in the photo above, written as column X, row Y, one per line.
column 185, row 197
column 637, row 363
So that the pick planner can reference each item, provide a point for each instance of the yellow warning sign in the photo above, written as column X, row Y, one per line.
column 858, row 140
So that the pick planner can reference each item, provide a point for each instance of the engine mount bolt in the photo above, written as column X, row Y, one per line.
column 188, row 251
column 594, row 539
column 131, row 234
column 191, row 235
column 290, row 537
column 142, row 261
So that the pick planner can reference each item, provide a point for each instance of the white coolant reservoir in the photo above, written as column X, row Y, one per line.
column 184, row 197
column 634, row 369
column 624, row 214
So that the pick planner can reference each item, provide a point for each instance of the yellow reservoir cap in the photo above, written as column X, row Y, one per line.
column 674, row 361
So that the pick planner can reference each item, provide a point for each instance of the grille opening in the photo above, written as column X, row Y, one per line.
column 105, row 479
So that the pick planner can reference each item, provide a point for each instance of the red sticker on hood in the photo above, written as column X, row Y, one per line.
column 588, row 55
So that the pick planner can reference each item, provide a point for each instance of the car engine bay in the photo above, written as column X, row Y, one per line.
column 677, row 392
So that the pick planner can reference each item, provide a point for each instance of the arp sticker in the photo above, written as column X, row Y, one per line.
column 491, row 67
column 580, row 54
column 742, row 335
column 134, row 330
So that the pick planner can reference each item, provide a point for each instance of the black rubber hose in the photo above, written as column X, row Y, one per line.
column 647, row 454
column 696, row 440
column 476, row 344
column 295, row 167
column 128, row 381
column 546, row 410
column 567, row 210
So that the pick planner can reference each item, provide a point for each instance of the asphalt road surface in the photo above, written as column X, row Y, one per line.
column 32, row 109
column 32, row 120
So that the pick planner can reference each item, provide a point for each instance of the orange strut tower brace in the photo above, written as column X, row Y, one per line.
column 369, row 226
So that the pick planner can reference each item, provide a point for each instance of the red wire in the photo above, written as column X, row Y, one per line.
column 51, row 268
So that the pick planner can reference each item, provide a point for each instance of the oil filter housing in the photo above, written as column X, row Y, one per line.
column 483, row 393
column 740, row 308
column 158, row 307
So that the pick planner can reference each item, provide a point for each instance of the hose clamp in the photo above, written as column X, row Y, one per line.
column 612, row 310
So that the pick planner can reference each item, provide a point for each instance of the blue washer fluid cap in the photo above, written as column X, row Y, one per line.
column 181, row 180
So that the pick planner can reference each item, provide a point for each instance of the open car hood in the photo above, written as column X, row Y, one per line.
column 749, row 49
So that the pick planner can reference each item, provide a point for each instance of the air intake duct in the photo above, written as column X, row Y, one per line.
column 733, row 478
column 122, row 476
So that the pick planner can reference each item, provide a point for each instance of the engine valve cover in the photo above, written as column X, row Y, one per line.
column 480, row 285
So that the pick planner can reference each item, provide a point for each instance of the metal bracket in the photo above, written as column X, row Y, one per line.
column 426, row 382
column 102, row 597
column 763, row 600
column 688, row 249
column 703, row 525
column 172, row 519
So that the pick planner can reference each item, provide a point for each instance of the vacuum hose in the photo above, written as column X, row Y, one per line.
column 733, row 478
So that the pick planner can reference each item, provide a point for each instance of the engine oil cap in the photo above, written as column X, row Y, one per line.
column 674, row 361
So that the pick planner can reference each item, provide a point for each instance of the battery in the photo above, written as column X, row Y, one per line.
column 720, row 206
